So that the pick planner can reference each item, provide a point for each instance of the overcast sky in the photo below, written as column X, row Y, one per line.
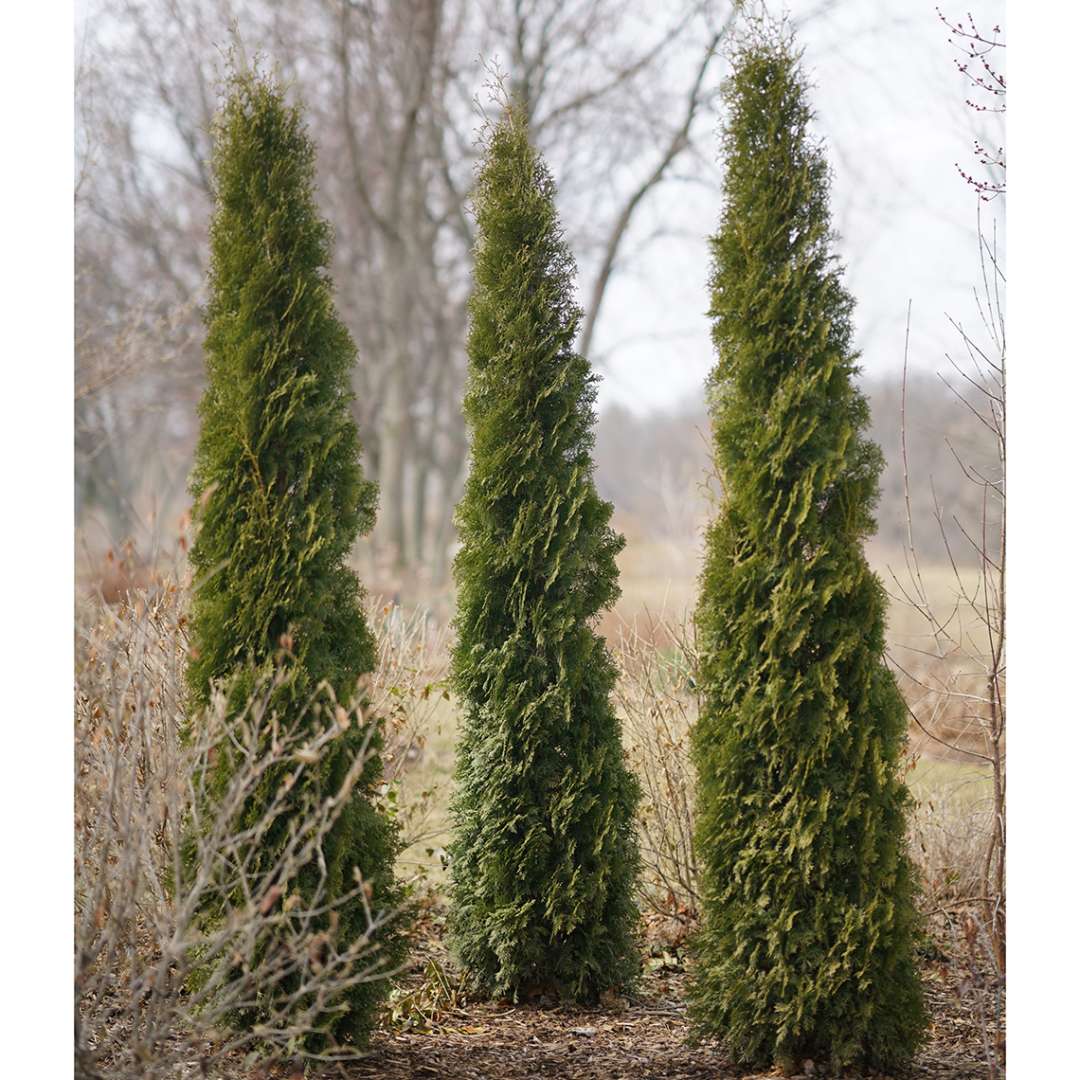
column 890, row 105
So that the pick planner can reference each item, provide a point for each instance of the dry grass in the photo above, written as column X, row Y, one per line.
column 409, row 691
column 950, row 826
column 658, row 706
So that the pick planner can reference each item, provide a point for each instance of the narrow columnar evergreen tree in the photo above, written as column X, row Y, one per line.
column 806, row 946
column 544, row 858
column 280, row 495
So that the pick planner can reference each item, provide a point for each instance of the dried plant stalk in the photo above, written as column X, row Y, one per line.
column 140, row 927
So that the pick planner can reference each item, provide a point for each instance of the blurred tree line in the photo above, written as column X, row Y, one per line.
column 655, row 467
column 615, row 98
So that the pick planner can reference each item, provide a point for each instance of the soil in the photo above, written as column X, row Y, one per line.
column 436, row 1032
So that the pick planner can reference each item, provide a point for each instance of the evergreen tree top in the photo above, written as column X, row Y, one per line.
column 530, row 507
column 521, row 254
column 787, row 413
column 279, row 491
column 263, row 182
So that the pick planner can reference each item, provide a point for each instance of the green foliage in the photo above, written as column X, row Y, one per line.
column 806, row 948
column 544, row 859
column 280, row 496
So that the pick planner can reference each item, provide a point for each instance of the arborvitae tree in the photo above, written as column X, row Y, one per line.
column 806, row 946
column 280, row 495
column 544, row 858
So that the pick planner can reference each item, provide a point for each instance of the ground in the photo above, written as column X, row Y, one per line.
column 435, row 1031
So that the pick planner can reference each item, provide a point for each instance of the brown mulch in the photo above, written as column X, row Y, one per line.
column 645, row 1037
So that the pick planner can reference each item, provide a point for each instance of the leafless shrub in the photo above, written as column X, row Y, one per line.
column 956, row 674
column 140, row 797
column 656, row 698
column 946, row 700
column 981, row 986
column 408, row 689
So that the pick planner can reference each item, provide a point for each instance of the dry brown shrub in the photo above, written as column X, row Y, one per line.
column 408, row 689
column 656, row 698
column 139, row 799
